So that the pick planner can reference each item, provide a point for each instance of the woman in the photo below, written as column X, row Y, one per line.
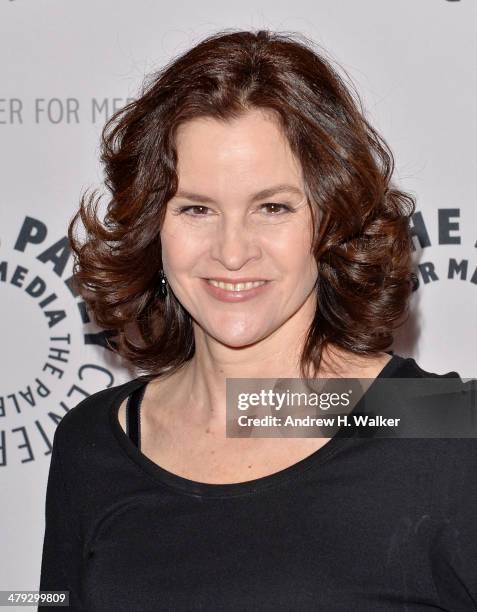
column 247, row 160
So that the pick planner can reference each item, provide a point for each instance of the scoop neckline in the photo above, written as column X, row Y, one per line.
column 246, row 487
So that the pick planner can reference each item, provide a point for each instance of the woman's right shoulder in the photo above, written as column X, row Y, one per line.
column 91, row 415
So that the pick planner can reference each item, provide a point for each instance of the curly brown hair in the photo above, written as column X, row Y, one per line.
column 362, row 247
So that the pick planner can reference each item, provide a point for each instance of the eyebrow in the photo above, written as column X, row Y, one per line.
column 264, row 193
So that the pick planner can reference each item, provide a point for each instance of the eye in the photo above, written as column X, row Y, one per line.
column 197, row 210
column 185, row 209
column 284, row 207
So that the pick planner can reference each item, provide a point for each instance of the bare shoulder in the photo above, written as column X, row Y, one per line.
column 372, row 366
column 157, row 391
column 377, row 363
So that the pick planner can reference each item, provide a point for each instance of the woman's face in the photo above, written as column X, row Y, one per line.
column 219, row 226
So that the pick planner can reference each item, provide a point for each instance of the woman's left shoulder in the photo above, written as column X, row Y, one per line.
column 438, row 404
column 410, row 368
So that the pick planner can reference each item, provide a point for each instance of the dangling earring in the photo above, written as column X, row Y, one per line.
column 162, row 292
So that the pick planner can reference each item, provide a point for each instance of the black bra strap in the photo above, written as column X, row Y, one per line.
column 133, row 415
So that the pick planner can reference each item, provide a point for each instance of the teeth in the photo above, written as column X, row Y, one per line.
column 237, row 287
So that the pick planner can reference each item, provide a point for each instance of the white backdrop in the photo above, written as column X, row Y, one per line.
column 66, row 65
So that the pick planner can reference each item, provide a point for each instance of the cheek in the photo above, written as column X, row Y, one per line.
column 293, row 255
column 291, row 238
column 180, row 250
column 302, row 271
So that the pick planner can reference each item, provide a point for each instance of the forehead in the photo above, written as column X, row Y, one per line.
column 251, row 149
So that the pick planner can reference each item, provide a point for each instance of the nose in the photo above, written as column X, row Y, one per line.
column 234, row 244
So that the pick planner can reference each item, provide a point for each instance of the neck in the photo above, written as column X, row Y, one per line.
column 202, row 381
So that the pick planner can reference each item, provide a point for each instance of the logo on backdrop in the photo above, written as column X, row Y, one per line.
column 445, row 266
column 48, row 361
column 54, row 111
column 448, row 233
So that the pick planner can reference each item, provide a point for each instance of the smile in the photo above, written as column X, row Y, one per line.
column 237, row 286
column 236, row 292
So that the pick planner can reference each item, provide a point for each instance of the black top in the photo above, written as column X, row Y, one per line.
column 362, row 524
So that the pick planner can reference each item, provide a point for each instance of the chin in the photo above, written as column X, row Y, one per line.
column 238, row 344
column 240, row 340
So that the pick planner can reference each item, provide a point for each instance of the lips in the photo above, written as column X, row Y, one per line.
column 236, row 292
column 236, row 286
